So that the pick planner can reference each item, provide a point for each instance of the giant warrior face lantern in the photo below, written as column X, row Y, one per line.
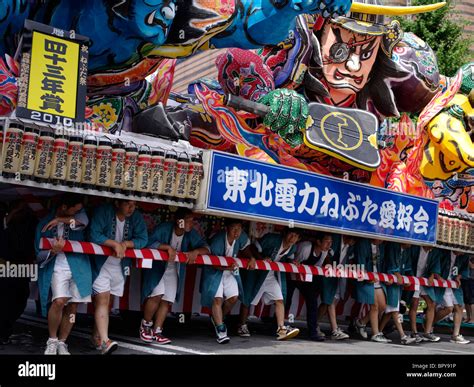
column 365, row 56
column 350, row 46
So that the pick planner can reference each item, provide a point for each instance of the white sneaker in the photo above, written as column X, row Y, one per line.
column 243, row 331
column 361, row 329
column 431, row 337
column 407, row 340
column 459, row 339
column 380, row 338
column 159, row 338
column 51, row 347
column 146, row 331
column 62, row 348
column 286, row 332
column 222, row 337
column 338, row 334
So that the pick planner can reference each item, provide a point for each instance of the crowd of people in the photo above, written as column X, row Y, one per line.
column 68, row 279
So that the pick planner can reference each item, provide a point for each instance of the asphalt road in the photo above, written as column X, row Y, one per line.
column 197, row 337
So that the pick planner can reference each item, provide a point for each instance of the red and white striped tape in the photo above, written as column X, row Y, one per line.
column 145, row 258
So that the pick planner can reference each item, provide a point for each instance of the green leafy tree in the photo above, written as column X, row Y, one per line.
column 443, row 30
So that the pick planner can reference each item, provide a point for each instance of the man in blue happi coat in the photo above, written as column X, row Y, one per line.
column 161, row 284
column 118, row 226
column 333, row 289
column 64, row 279
column 313, row 252
column 425, row 262
column 454, row 266
column 221, row 286
column 372, row 256
column 269, row 286
column 397, row 258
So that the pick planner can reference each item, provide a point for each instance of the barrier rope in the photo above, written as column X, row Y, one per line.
column 145, row 258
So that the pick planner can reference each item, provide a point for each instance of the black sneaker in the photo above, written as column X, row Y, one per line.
column 317, row 338
column 361, row 329
column 243, row 331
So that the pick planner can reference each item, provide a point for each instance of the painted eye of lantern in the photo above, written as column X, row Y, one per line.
column 366, row 55
column 169, row 12
column 339, row 52
column 155, row 18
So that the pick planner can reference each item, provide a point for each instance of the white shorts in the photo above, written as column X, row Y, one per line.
column 420, row 292
column 63, row 285
column 228, row 286
column 390, row 309
column 448, row 299
column 110, row 279
column 168, row 285
column 270, row 290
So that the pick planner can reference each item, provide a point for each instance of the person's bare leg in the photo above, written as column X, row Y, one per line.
column 163, row 310
column 229, row 305
column 244, row 314
column 217, row 310
column 380, row 303
column 430, row 314
column 380, row 297
column 398, row 324
column 151, row 306
column 69, row 318
column 95, row 334
column 322, row 310
column 412, row 313
column 280, row 312
column 55, row 316
column 373, row 317
column 457, row 319
column 332, row 315
column 385, row 319
column 442, row 313
column 101, row 302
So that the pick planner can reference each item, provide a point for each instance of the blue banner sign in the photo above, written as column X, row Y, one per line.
column 256, row 189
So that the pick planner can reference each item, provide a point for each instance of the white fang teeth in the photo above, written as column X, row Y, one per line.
column 151, row 18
